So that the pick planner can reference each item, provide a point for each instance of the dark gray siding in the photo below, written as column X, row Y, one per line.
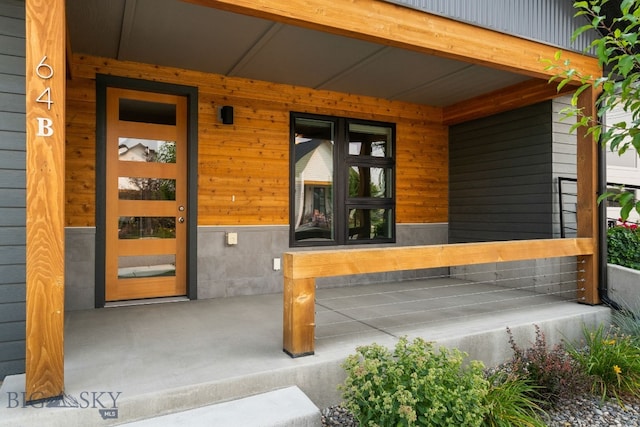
column 12, row 187
column 547, row 21
column 500, row 185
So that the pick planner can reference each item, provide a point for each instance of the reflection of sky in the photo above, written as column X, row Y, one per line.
column 377, row 149
column 132, row 142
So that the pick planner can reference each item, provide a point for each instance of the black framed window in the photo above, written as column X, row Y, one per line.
column 342, row 181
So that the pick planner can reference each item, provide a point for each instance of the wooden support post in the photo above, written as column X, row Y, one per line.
column 45, row 107
column 587, row 212
column 299, row 312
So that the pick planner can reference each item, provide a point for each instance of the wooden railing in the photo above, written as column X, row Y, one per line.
column 302, row 268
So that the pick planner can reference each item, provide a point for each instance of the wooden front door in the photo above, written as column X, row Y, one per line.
column 146, row 195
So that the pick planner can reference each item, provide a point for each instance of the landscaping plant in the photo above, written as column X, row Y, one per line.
column 509, row 402
column 611, row 360
column 623, row 245
column 553, row 372
column 414, row 386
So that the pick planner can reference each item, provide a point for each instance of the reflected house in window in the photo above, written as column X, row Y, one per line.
column 314, row 188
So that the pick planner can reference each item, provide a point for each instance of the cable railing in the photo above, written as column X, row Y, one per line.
column 393, row 307
column 304, row 306
column 568, row 194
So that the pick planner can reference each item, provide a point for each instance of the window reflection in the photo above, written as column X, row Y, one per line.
column 136, row 227
column 369, row 224
column 369, row 140
column 146, row 188
column 369, row 182
column 313, row 179
column 146, row 150
column 131, row 267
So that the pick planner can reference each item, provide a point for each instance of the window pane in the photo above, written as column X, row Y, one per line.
column 136, row 227
column 369, row 182
column 313, row 207
column 130, row 267
column 369, row 140
column 369, row 224
column 133, row 110
column 146, row 188
column 146, row 150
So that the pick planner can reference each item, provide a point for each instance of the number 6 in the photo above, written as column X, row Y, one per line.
column 46, row 66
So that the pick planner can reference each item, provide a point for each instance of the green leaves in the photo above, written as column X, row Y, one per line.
column 414, row 385
column 619, row 51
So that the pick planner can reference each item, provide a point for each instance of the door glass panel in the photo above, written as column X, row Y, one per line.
column 369, row 182
column 369, row 140
column 152, row 227
column 369, row 224
column 146, row 188
column 313, row 206
column 134, row 110
column 130, row 267
column 146, row 150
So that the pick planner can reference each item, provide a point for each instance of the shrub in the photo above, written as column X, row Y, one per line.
column 611, row 360
column 509, row 403
column 553, row 372
column 414, row 385
column 623, row 246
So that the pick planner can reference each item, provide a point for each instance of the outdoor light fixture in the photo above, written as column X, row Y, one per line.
column 226, row 115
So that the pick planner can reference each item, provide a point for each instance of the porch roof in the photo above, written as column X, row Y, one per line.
column 190, row 36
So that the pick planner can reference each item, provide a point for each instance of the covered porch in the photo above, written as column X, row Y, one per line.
column 175, row 356
column 197, row 352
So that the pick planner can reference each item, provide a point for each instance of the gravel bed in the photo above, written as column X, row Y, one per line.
column 585, row 411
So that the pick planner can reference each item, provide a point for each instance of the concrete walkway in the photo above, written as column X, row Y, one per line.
column 132, row 363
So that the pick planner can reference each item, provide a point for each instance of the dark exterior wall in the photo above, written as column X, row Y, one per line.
column 548, row 21
column 12, row 187
column 501, row 178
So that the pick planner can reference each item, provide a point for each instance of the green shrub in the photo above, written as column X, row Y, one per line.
column 509, row 402
column 611, row 360
column 414, row 385
column 553, row 372
column 623, row 246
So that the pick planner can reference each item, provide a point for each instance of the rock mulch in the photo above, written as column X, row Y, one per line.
column 582, row 411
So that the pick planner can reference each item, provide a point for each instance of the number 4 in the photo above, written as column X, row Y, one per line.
column 45, row 98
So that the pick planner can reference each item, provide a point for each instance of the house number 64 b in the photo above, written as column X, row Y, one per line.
column 45, row 72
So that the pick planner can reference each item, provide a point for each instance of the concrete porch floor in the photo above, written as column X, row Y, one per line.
column 170, row 357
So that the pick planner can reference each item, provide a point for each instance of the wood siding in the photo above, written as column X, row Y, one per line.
column 12, row 187
column 501, row 177
column 244, row 168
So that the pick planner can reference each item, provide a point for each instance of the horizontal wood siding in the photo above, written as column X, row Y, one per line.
column 12, row 187
column 500, row 177
column 243, row 168
column 564, row 165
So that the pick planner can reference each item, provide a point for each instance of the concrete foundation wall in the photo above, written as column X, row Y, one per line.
column 234, row 270
column 624, row 286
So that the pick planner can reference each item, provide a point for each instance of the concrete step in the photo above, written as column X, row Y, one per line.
column 287, row 407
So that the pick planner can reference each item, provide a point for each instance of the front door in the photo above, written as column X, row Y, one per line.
column 146, row 195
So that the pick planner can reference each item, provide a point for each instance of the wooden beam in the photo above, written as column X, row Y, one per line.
column 45, row 107
column 300, row 265
column 501, row 100
column 392, row 25
column 587, row 169
column 298, row 338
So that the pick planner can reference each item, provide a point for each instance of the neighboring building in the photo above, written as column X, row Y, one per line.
column 622, row 170
column 352, row 123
